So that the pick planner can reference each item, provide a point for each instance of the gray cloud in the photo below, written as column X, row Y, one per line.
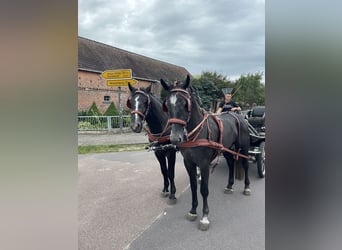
column 226, row 36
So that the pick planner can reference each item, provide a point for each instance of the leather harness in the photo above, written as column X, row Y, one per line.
column 192, row 140
column 192, row 136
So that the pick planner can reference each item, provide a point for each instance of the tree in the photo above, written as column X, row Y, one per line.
column 111, row 110
column 94, row 111
column 249, row 90
column 209, row 86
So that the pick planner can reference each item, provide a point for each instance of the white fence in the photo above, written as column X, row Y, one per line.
column 103, row 123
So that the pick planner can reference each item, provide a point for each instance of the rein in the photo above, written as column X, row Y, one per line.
column 157, row 137
column 209, row 143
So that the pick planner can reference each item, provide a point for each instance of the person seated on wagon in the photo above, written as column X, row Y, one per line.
column 228, row 104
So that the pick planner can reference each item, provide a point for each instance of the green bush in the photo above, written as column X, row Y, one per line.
column 82, row 113
column 94, row 111
column 111, row 110
column 84, row 125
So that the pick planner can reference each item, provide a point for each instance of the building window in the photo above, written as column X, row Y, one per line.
column 106, row 98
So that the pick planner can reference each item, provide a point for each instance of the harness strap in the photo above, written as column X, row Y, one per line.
column 211, row 144
column 157, row 137
column 180, row 90
column 239, row 126
column 199, row 125
column 220, row 125
column 176, row 121
column 139, row 113
column 216, row 163
column 208, row 142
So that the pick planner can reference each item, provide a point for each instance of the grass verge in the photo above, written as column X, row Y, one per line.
column 91, row 149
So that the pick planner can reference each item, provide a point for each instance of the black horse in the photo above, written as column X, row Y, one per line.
column 201, row 137
column 146, row 107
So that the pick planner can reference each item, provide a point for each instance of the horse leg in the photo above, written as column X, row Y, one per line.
column 198, row 173
column 162, row 162
column 230, row 162
column 191, row 169
column 204, row 222
column 171, row 156
column 245, row 164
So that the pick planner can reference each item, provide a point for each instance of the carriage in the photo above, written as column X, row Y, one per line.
column 257, row 132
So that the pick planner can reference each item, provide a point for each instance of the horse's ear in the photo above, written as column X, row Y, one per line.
column 131, row 88
column 128, row 103
column 164, row 84
column 187, row 82
column 148, row 89
column 164, row 107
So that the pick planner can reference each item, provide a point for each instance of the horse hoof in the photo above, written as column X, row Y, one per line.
column 228, row 190
column 191, row 217
column 172, row 201
column 247, row 191
column 204, row 224
column 164, row 194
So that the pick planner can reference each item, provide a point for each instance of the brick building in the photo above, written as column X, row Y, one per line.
column 95, row 57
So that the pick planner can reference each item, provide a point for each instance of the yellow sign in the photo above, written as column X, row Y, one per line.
column 121, row 82
column 117, row 74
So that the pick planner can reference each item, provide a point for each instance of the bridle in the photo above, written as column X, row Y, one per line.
column 152, row 137
column 135, row 111
column 185, row 94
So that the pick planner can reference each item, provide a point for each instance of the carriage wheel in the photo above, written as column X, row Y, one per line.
column 261, row 161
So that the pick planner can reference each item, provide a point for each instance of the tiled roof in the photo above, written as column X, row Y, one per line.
column 98, row 57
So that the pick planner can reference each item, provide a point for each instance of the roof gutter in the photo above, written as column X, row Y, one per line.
column 90, row 70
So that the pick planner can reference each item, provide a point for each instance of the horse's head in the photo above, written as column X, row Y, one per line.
column 178, row 106
column 139, row 103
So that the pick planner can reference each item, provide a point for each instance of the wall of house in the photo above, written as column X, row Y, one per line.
column 92, row 88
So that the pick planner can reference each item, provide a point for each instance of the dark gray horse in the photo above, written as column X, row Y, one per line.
column 146, row 107
column 201, row 137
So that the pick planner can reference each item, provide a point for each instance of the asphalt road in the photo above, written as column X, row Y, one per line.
column 119, row 197
column 120, row 207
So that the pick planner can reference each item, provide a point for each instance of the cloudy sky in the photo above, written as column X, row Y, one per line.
column 223, row 36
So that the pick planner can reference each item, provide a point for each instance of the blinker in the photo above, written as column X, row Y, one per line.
column 128, row 103
column 164, row 107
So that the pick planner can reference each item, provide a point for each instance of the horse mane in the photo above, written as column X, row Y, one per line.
column 193, row 92
column 156, row 98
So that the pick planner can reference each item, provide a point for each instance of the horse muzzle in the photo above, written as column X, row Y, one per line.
column 176, row 140
column 136, row 127
column 177, row 134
